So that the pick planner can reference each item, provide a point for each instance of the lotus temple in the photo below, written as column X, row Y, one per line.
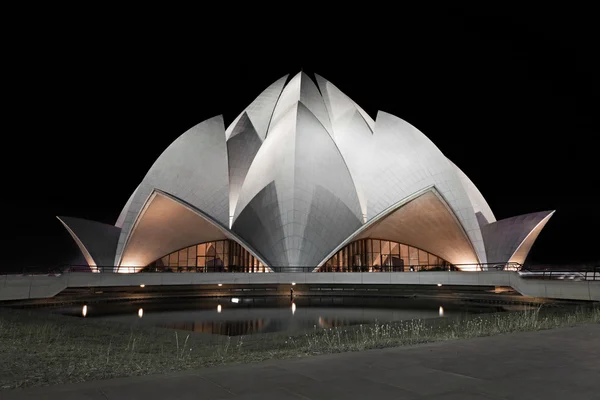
column 305, row 180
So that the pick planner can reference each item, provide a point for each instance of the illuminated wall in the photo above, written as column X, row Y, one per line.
column 374, row 255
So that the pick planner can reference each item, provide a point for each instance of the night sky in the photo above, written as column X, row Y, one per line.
column 510, row 99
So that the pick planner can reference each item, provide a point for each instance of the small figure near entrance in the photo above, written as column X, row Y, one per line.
column 291, row 293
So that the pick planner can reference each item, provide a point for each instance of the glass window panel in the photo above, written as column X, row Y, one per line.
column 395, row 248
column 404, row 250
column 423, row 257
column 369, row 246
column 183, row 262
column 413, row 253
column 191, row 262
column 183, row 254
column 165, row 260
column 210, row 249
column 371, row 259
column 376, row 246
column 376, row 259
column 202, row 249
column 173, row 259
column 433, row 260
column 243, row 261
column 192, row 252
column 385, row 247
column 226, row 258
column 385, row 259
column 406, row 262
column 346, row 256
column 241, row 257
column 220, row 253
column 201, row 261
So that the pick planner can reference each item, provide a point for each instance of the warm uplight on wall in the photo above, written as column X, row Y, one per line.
column 293, row 283
column 293, row 308
column 84, row 310
column 141, row 312
column 219, row 308
column 142, row 285
column 439, row 284
column 441, row 311
column 220, row 284
column 235, row 300
column 128, row 268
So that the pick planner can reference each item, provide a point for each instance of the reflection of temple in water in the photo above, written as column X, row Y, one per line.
column 228, row 328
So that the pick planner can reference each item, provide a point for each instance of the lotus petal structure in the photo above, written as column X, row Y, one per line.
column 304, row 177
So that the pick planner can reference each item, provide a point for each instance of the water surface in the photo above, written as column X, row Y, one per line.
column 245, row 316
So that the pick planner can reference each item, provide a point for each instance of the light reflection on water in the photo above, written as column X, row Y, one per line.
column 251, row 316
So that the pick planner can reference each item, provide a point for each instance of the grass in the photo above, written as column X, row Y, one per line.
column 39, row 349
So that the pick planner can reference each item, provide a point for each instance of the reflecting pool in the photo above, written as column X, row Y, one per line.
column 234, row 316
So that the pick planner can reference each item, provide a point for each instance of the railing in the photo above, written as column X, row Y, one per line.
column 28, row 271
column 568, row 274
column 278, row 269
column 510, row 266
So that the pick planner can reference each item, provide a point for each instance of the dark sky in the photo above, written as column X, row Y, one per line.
column 511, row 98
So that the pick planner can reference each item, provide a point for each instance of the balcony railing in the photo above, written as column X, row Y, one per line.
column 556, row 273
column 275, row 269
column 565, row 274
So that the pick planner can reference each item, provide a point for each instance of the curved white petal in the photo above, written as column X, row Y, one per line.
column 193, row 168
column 339, row 104
column 97, row 241
column 241, row 150
column 352, row 135
column 477, row 200
column 123, row 213
column 298, row 200
column 403, row 161
column 301, row 89
column 510, row 239
column 260, row 111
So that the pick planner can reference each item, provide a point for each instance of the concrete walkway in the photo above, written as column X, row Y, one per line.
column 556, row 364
